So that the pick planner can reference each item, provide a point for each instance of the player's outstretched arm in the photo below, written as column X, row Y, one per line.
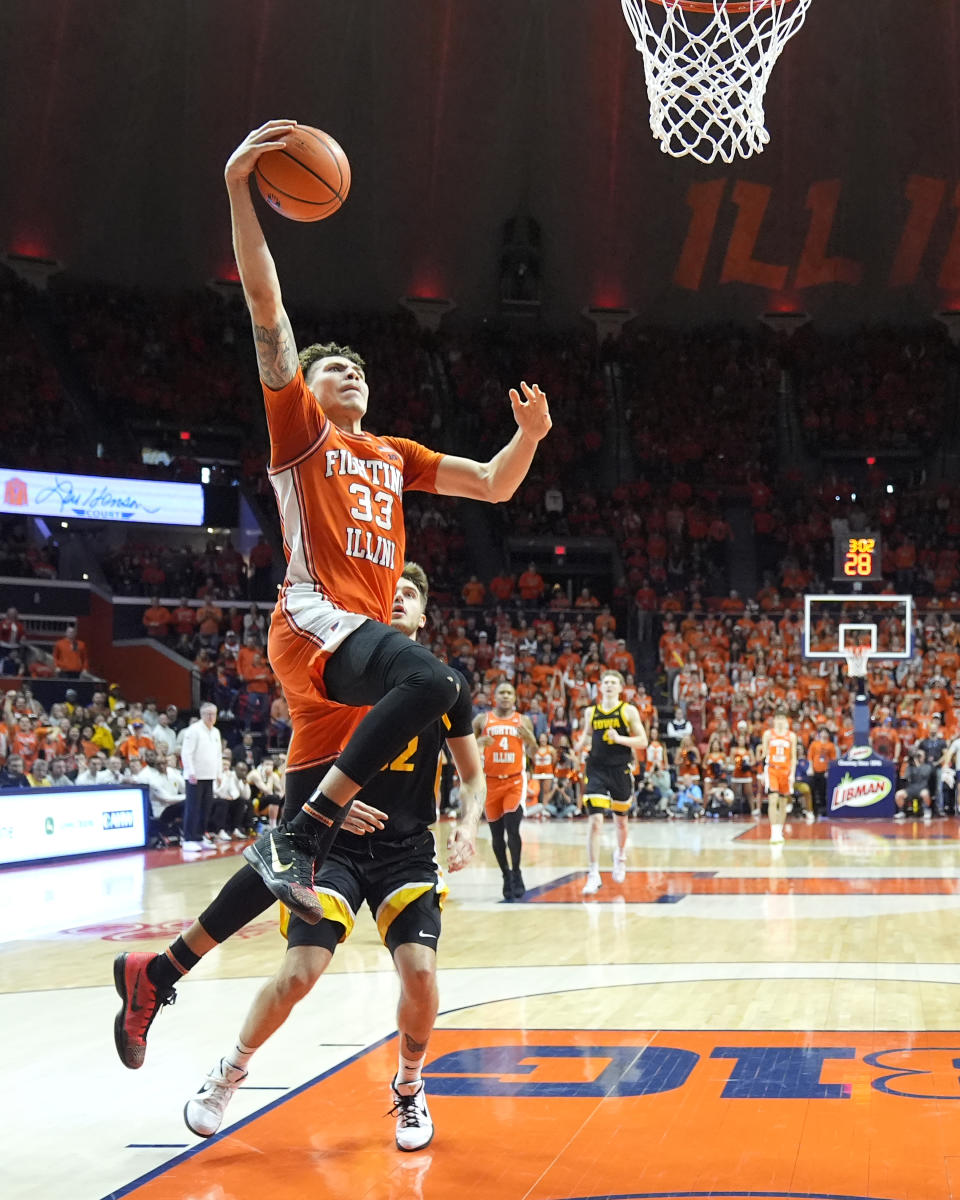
column 462, row 844
column 272, row 332
column 499, row 478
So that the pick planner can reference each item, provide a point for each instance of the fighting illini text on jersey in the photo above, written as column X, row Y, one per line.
column 505, row 755
column 340, row 498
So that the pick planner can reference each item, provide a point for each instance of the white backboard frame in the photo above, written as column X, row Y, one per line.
column 842, row 626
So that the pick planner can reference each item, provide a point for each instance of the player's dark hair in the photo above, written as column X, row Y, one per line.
column 320, row 350
column 418, row 577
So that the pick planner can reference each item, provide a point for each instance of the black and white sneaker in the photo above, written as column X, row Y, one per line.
column 284, row 861
column 203, row 1113
column 414, row 1123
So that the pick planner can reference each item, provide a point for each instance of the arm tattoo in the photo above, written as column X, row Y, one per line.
column 414, row 1046
column 276, row 353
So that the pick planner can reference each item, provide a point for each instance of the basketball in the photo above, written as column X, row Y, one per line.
column 308, row 180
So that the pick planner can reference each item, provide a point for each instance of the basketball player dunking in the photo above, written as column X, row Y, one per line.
column 506, row 736
column 614, row 731
column 779, row 754
column 339, row 492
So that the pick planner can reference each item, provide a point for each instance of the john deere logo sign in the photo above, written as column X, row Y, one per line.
column 861, row 792
column 48, row 825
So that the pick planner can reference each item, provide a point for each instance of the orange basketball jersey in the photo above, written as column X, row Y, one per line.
column 779, row 751
column 340, row 498
column 504, row 756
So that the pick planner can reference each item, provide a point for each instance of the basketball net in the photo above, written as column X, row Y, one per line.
column 707, row 65
column 857, row 658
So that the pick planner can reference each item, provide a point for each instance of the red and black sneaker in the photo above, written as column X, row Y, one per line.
column 142, row 1000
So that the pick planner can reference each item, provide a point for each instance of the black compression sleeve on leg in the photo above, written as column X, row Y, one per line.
column 243, row 897
column 499, row 846
column 511, row 823
column 407, row 687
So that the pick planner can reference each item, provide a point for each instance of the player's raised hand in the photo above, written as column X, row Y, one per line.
column 531, row 411
column 270, row 136
column 362, row 818
column 461, row 847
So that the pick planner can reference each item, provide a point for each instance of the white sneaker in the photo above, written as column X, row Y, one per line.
column 619, row 868
column 899, row 815
column 222, row 836
column 927, row 814
column 594, row 883
column 191, row 847
column 776, row 835
column 414, row 1123
column 754, row 812
column 203, row 1112
column 238, row 835
column 207, row 842
column 809, row 817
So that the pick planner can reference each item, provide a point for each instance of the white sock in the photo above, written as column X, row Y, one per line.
column 409, row 1069
column 239, row 1056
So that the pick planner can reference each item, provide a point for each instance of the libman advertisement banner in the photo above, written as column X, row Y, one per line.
column 98, row 498
column 861, row 784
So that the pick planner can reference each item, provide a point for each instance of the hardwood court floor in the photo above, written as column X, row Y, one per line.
column 733, row 1020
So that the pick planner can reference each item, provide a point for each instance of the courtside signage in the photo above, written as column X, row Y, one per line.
column 861, row 792
column 98, row 498
column 45, row 823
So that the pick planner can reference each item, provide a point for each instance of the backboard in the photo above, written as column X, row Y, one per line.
column 882, row 624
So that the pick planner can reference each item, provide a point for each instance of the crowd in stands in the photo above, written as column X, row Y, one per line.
column 654, row 436
column 111, row 741
column 886, row 388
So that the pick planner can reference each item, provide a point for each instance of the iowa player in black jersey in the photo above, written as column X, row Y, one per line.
column 394, row 870
column 613, row 731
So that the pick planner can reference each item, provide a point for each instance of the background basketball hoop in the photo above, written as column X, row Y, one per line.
column 707, row 65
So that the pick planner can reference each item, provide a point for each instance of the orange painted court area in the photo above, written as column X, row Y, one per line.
column 666, row 887
column 558, row 1114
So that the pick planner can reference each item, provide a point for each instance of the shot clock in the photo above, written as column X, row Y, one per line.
column 856, row 558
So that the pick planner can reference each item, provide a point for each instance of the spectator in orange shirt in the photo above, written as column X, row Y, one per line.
column 473, row 592
column 156, row 619
column 136, row 741
column 531, row 585
column 24, row 743
column 184, row 619
column 605, row 621
column 501, row 587
column 70, row 654
column 586, row 599
column 820, row 754
column 622, row 660
column 209, row 617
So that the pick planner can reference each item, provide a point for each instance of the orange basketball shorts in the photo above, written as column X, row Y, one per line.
column 504, row 794
column 321, row 729
column 777, row 779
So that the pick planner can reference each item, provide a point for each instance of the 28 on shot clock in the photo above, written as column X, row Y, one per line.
column 856, row 558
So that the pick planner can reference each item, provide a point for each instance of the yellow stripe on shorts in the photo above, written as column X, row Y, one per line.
column 335, row 908
column 394, row 904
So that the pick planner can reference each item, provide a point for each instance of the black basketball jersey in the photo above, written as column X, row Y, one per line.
column 604, row 753
column 406, row 787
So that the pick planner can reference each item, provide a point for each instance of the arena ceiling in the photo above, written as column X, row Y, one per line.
column 118, row 116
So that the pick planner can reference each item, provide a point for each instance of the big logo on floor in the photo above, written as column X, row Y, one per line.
column 612, row 1115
